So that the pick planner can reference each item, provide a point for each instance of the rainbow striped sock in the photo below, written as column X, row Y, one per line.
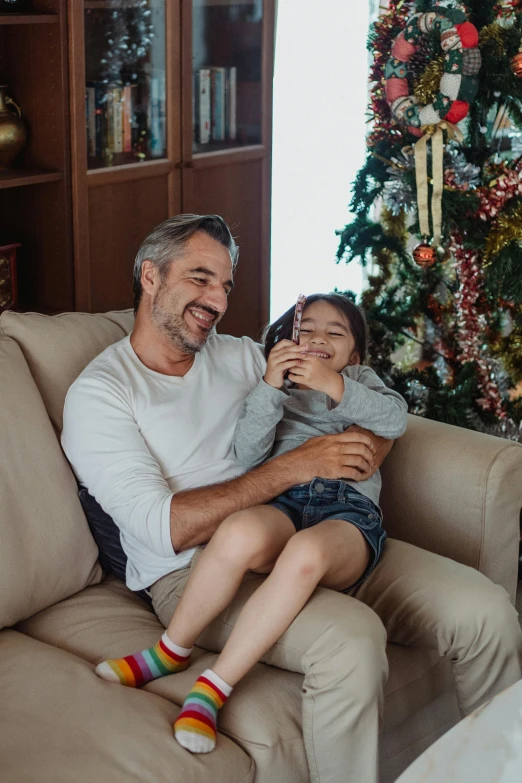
column 195, row 728
column 142, row 667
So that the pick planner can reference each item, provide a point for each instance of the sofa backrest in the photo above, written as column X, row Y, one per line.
column 46, row 550
column 57, row 348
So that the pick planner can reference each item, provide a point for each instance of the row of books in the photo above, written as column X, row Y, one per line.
column 215, row 104
column 116, row 116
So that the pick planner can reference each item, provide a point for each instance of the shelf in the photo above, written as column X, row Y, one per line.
column 111, row 5
column 228, row 156
column 222, row 2
column 30, row 18
column 15, row 178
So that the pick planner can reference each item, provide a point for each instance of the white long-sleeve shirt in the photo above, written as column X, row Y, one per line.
column 134, row 437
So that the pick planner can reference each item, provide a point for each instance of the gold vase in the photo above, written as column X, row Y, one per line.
column 13, row 133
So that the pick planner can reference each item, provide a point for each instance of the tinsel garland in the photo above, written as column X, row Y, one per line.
column 507, row 228
column 384, row 31
column 428, row 83
column 504, row 185
column 470, row 325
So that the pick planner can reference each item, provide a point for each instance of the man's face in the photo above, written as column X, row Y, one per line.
column 192, row 298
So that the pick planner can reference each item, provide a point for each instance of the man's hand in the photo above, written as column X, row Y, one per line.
column 312, row 371
column 349, row 455
column 382, row 447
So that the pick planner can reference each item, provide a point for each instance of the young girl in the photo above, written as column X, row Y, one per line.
column 327, row 532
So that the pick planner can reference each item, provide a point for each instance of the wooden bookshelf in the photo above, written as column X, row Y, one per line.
column 80, row 207
column 16, row 178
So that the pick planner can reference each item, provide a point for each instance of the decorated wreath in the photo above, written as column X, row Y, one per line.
column 461, row 61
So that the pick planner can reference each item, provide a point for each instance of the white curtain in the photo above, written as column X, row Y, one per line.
column 320, row 99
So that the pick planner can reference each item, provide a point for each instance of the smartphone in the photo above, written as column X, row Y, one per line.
column 298, row 314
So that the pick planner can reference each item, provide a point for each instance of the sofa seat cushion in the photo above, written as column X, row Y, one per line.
column 57, row 348
column 107, row 620
column 46, row 552
column 60, row 723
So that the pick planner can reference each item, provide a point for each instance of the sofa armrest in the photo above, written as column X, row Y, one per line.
column 458, row 493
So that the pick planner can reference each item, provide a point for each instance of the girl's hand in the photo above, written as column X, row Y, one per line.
column 284, row 354
column 315, row 373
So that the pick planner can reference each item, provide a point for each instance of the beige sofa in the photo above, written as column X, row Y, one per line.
column 446, row 489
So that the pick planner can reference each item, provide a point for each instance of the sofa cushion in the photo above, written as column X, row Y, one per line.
column 46, row 551
column 57, row 348
column 60, row 723
column 264, row 715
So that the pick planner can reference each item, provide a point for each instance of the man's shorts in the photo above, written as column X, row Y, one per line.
column 308, row 504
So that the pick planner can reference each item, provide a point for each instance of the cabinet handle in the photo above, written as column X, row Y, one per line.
column 189, row 164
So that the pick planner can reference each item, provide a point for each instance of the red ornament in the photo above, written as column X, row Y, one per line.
column 424, row 255
column 516, row 65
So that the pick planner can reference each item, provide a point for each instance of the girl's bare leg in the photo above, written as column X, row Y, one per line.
column 247, row 540
column 334, row 554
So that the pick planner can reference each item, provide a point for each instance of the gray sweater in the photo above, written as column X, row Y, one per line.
column 274, row 421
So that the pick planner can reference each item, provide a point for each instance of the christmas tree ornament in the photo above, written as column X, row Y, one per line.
column 424, row 255
column 461, row 63
column 457, row 87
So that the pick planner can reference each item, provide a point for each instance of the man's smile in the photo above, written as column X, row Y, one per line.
column 203, row 318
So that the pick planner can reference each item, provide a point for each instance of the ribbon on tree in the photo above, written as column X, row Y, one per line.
column 435, row 134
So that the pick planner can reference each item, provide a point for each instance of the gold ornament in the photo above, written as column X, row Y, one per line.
column 428, row 83
column 507, row 228
column 424, row 255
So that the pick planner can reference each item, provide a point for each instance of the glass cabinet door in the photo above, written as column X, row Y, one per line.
column 227, row 38
column 125, row 81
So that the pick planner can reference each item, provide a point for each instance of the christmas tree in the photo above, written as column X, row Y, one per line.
column 441, row 223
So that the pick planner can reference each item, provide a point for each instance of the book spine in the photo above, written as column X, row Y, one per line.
column 135, row 125
column 218, row 103
column 100, row 103
column 109, row 122
column 203, row 105
column 126, row 100
column 117, row 115
column 91, row 120
column 231, row 103
column 155, row 144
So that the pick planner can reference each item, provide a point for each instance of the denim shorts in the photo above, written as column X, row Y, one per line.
column 308, row 504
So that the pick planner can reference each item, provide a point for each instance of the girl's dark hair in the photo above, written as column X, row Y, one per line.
column 282, row 328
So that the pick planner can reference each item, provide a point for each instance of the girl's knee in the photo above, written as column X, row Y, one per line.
column 306, row 556
column 243, row 538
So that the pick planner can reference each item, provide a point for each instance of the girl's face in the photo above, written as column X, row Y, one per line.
column 327, row 333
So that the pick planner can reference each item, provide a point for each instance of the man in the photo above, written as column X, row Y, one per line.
column 148, row 429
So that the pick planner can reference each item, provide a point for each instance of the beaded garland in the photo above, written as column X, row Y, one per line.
column 458, row 85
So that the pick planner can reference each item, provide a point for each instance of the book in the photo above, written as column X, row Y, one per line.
column 203, row 107
column 231, row 103
column 127, row 112
column 217, row 98
column 91, row 120
column 97, row 118
column 157, row 116
column 117, row 120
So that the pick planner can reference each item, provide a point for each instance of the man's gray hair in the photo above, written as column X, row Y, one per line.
column 168, row 240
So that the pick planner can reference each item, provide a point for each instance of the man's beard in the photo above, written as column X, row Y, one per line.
column 172, row 324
